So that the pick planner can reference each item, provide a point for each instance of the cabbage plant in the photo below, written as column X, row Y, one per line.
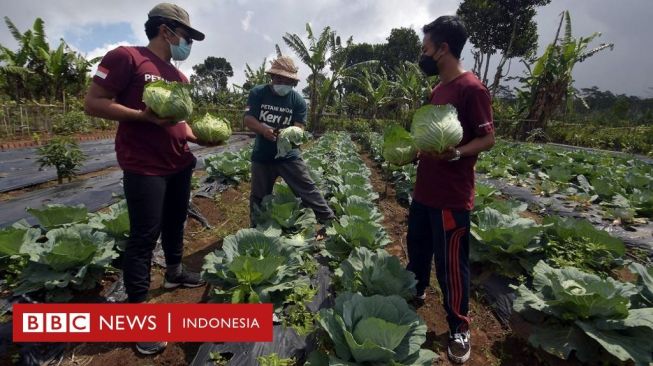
column 376, row 330
column 211, row 129
column 253, row 267
column 376, row 273
column 169, row 99
column 289, row 138
column 596, row 318
column 398, row 146
column 436, row 128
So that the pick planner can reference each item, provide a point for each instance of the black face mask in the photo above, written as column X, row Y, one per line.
column 428, row 65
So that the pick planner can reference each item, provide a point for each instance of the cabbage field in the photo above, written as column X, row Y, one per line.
column 561, row 251
column 561, row 238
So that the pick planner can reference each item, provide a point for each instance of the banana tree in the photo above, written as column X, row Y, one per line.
column 411, row 87
column 18, row 68
column 315, row 55
column 375, row 90
column 35, row 71
column 550, row 81
column 13, row 76
column 80, row 67
column 255, row 76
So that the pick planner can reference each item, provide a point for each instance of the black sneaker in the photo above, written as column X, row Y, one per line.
column 418, row 300
column 150, row 348
column 185, row 279
column 459, row 348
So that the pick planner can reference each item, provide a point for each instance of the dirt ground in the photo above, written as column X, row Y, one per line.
column 491, row 343
column 227, row 213
column 17, row 142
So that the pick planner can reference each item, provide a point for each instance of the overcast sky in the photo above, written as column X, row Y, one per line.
column 245, row 31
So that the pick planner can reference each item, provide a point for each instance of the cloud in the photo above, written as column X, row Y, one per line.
column 245, row 31
column 247, row 20
column 101, row 51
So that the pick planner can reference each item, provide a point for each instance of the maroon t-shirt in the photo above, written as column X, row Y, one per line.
column 450, row 185
column 142, row 147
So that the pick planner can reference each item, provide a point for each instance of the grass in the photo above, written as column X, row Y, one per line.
column 237, row 213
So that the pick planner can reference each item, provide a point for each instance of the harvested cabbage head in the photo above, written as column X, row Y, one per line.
column 289, row 138
column 169, row 100
column 398, row 146
column 211, row 129
column 436, row 128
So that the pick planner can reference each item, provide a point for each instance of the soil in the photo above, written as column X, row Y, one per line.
column 492, row 344
column 18, row 142
column 227, row 213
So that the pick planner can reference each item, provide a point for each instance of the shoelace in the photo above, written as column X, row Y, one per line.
column 460, row 338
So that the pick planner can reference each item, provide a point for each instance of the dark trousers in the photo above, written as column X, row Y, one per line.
column 443, row 235
column 157, row 205
column 296, row 175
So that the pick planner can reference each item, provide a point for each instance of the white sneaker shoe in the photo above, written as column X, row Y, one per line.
column 459, row 348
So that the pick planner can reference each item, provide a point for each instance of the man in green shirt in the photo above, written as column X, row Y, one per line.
column 270, row 108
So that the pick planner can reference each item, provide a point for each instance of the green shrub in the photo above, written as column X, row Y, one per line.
column 64, row 154
column 70, row 123
column 636, row 140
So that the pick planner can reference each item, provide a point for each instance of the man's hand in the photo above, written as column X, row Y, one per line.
column 148, row 115
column 269, row 134
column 446, row 155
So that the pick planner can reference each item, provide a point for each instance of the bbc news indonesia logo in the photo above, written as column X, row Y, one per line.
column 56, row 322
column 142, row 322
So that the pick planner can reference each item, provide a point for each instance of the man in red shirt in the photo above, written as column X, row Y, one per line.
column 151, row 150
column 438, row 219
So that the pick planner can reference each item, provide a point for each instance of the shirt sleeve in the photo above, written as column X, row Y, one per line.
column 254, row 104
column 299, row 111
column 115, row 70
column 479, row 107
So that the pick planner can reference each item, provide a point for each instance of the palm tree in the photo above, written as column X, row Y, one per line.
column 551, row 81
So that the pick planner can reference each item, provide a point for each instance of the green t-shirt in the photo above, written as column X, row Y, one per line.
column 277, row 112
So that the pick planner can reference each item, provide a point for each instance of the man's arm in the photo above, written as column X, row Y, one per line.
column 474, row 147
column 100, row 102
column 478, row 103
column 477, row 145
column 262, row 129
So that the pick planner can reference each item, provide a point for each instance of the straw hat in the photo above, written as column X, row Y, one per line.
column 284, row 66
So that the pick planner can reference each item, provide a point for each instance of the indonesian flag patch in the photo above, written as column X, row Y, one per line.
column 102, row 72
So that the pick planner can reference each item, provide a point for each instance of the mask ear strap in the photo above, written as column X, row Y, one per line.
column 438, row 50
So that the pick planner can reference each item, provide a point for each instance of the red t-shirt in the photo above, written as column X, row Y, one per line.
column 450, row 185
column 141, row 147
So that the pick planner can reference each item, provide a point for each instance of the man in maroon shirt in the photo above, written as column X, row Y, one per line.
column 438, row 219
column 151, row 150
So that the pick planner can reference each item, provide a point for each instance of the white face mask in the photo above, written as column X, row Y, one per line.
column 282, row 90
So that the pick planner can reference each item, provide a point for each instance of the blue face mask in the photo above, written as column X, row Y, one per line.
column 282, row 90
column 181, row 51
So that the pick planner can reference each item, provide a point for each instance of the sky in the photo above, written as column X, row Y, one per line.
column 246, row 31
